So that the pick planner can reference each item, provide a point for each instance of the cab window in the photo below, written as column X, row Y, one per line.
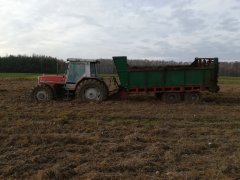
column 75, row 72
column 93, row 69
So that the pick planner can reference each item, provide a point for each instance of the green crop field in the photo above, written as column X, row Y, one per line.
column 228, row 80
column 18, row 75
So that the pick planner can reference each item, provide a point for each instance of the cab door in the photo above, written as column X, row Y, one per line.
column 75, row 71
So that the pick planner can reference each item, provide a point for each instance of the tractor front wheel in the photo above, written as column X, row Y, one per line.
column 42, row 93
column 92, row 90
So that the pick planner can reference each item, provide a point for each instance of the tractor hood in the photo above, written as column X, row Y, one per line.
column 52, row 79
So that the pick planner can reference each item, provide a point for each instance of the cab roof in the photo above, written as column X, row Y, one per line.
column 82, row 60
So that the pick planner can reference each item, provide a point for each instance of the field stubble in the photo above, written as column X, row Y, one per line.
column 136, row 138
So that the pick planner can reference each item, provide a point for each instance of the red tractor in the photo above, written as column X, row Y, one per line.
column 81, row 81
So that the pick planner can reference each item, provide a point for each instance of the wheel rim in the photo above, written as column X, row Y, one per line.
column 92, row 94
column 194, row 97
column 42, row 95
column 172, row 97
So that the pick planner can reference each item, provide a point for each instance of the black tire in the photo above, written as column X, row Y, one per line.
column 91, row 90
column 171, row 97
column 42, row 93
column 192, row 97
column 158, row 95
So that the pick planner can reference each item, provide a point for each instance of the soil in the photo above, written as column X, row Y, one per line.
column 140, row 138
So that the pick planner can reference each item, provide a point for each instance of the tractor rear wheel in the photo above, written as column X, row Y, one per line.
column 171, row 97
column 92, row 90
column 42, row 93
column 192, row 97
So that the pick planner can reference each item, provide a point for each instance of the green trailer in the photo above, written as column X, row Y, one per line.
column 171, row 83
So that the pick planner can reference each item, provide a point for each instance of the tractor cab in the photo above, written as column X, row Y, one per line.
column 78, row 69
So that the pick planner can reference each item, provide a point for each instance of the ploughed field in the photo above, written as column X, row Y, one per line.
column 136, row 138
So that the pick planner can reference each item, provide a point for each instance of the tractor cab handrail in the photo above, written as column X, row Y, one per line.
column 82, row 60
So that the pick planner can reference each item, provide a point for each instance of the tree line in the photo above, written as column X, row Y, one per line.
column 51, row 65
column 32, row 64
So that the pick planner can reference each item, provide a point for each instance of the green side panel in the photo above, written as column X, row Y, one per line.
column 137, row 79
column 121, row 67
column 208, row 74
column 194, row 76
column 155, row 78
column 169, row 76
column 174, row 77
column 143, row 79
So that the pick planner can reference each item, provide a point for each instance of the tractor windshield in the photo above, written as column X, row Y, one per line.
column 75, row 71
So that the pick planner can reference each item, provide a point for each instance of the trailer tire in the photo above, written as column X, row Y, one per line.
column 171, row 98
column 192, row 97
column 91, row 90
column 41, row 93
column 158, row 95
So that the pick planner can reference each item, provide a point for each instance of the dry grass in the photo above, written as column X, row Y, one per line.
column 139, row 138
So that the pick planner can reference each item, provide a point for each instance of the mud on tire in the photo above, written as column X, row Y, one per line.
column 91, row 90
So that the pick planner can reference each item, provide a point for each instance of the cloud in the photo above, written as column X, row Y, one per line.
column 176, row 29
column 187, row 20
column 230, row 24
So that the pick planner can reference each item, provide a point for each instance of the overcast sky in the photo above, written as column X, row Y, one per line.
column 154, row 29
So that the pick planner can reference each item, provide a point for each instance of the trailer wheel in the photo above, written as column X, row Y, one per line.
column 158, row 95
column 192, row 97
column 171, row 97
column 91, row 90
column 42, row 93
